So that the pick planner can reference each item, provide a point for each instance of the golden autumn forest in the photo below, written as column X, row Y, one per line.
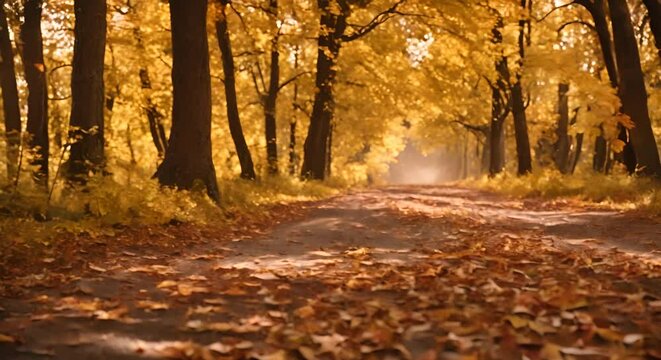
column 330, row 179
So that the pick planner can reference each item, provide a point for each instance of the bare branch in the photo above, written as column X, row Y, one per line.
column 579, row 22
column 556, row 9
column 376, row 21
column 292, row 79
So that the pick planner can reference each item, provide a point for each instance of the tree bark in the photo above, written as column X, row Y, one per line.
column 561, row 146
column 236, row 130
column 500, row 108
column 632, row 89
column 577, row 153
column 497, row 135
column 87, row 91
column 188, row 158
column 332, row 24
column 270, row 111
column 9, row 96
column 600, row 154
column 154, row 117
column 654, row 12
column 598, row 13
column 519, row 111
column 35, row 76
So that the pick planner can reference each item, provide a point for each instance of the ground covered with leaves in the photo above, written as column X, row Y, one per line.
column 393, row 273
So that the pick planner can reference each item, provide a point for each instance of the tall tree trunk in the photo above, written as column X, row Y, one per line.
column 332, row 24
column 188, row 158
column 293, row 157
column 271, row 100
column 561, row 147
column 519, row 110
column 654, row 12
column 35, row 76
column 236, row 130
column 497, row 135
column 87, row 90
column 9, row 95
column 499, row 107
column 597, row 10
column 632, row 88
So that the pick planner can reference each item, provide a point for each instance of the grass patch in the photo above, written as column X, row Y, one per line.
column 618, row 191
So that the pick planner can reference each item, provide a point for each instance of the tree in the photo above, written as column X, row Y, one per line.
column 519, row 109
column 35, row 76
column 632, row 88
column 500, row 105
column 9, row 95
column 222, row 33
column 561, row 151
column 332, row 28
column 188, row 157
column 87, row 91
column 271, row 97
column 654, row 13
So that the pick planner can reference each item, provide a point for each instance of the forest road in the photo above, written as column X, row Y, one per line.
column 401, row 272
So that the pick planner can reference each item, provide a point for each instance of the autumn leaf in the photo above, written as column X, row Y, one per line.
column 6, row 338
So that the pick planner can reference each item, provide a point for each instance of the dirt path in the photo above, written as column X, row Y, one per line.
column 399, row 272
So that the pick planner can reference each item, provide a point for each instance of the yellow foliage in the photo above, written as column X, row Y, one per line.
column 616, row 190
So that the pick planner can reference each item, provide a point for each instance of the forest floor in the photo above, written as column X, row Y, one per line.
column 391, row 273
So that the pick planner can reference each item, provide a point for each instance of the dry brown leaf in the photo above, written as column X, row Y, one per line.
column 152, row 305
column 6, row 338
column 305, row 311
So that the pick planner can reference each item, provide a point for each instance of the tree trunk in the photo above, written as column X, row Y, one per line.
column 35, row 76
column 293, row 157
column 598, row 13
column 485, row 158
column 87, row 90
column 632, row 89
column 329, row 151
column 499, row 107
column 496, row 136
column 188, row 158
column 271, row 100
column 9, row 96
column 332, row 25
column 577, row 153
column 600, row 154
column 292, row 148
column 519, row 110
column 561, row 146
column 654, row 12
column 242, row 151
column 154, row 116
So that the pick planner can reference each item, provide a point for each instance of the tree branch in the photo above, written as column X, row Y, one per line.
column 580, row 22
column 556, row 9
column 292, row 79
column 376, row 21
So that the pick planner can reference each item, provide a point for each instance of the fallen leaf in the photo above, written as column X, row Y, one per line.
column 152, row 305
column 6, row 338
column 96, row 268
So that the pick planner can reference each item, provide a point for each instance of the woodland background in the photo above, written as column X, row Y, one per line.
column 502, row 87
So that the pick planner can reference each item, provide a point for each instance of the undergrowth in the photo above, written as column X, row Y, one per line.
column 618, row 191
column 105, row 204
